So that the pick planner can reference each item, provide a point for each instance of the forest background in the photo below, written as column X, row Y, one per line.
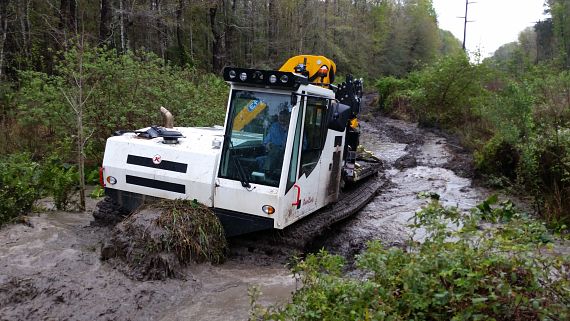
column 74, row 71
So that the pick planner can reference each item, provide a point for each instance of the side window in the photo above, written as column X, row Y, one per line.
column 314, row 134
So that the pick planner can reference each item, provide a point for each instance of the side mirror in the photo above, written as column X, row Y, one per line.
column 338, row 116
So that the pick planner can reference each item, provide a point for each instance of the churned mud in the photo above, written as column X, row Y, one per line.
column 52, row 269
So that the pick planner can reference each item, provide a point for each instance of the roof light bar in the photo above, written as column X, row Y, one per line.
column 265, row 78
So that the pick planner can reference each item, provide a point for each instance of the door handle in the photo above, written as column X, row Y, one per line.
column 298, row 201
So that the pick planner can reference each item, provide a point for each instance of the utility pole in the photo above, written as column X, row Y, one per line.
column 467, row 3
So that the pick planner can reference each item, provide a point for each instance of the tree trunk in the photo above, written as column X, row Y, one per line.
column 301, row 34
column 229, row 32
column 72, row 23
column 3, row 33
column 250, row 42
column 105, row 22
column 79, row 103
column 122, row 29
column 24, row 20
column 67, row 19
column 179, row 38
column 217, row 63
column 271, row 34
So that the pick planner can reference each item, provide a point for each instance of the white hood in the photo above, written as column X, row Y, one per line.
column 151, row 167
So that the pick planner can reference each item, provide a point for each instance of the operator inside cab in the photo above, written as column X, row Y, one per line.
column 274, row 143
column 277, row 134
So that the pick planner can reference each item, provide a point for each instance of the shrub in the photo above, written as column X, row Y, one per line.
column 59, row 180
column 450, row 89
column 495, row 273
column 499, row 158
column 19, row 186
column 387, row 86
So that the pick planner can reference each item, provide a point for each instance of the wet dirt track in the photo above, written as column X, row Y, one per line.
column 51, row 270
column 416, row 161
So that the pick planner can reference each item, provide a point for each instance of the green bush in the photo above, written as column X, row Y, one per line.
column 387, row 87
column 121, row 92
column 517, row 125
column 494, row 273
column 498, row 158
column 59, row 180
column 448, row 91
column 19, row 186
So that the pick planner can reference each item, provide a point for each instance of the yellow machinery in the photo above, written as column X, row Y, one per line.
column 319, row 69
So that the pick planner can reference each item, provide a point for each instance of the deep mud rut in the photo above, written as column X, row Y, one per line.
column 51, row 270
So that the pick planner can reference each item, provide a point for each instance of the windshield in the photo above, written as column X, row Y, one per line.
column 256, row 136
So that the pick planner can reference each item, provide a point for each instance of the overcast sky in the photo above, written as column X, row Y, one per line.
column 496, row 22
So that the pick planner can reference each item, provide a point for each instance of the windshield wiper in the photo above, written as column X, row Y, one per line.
column 241, row 172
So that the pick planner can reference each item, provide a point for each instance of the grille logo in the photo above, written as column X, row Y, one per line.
column 157, row 159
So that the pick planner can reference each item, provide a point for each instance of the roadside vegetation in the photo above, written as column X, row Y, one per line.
column 478, row 270
column 517, row 127
column 512, row 110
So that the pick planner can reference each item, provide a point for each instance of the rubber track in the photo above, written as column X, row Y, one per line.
column 108, row 212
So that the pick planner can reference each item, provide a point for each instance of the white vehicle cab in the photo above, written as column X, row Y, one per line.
column 278, row 158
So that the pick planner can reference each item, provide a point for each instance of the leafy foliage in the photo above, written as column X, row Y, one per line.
column 441, row 94
column 19, row 186
column 364, row 37
column 471, row 273
column 518, row 128
column 123, row 92
column 60, row 181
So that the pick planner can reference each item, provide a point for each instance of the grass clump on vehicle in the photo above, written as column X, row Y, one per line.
column 156, row 241
column 194, row 231
column 481, row 271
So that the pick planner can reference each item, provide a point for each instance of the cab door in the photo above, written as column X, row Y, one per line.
column 303, row 178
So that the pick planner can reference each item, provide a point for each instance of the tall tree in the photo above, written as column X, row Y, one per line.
column 3, row 33
column 106, row 17
column 217, row 35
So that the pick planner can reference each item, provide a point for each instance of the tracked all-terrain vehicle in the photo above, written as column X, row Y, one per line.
column 287, row 148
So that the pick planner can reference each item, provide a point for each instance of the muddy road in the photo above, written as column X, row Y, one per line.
column 50, row 270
